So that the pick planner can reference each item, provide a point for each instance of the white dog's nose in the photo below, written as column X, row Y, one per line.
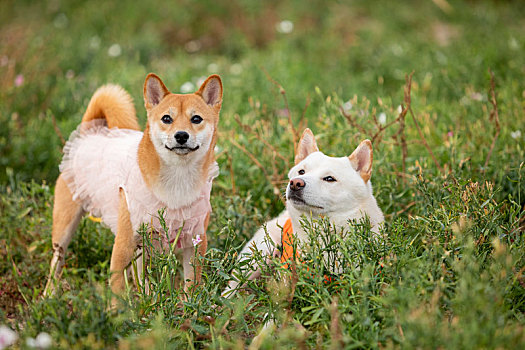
column 297, row 184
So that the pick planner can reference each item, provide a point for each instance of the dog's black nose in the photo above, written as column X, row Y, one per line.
column 297, row 184
column 181, row 137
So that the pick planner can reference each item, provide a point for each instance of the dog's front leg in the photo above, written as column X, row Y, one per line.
column 123, row 248
column 193, row 267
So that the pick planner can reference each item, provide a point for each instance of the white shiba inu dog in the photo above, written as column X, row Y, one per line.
column 320, row 186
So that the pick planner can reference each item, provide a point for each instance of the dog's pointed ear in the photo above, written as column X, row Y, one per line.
column 361, row 160
column 154, row 90
column 306, row 146
column 211, row 91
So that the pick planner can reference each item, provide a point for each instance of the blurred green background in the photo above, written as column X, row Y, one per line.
column 54, row 54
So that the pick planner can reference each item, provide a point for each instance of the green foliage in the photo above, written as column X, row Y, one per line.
column 448, row 271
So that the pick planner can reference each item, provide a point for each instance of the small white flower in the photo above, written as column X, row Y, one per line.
column 284, row 27
column 114, row 50
column 515, row 134
column 382, row 118
column 94, row 42
column 187, row 87
column 213, row 67
column 193, row 46
column 196, row 240
column 399, row 109
column 60, row 21
column 7, row 337
column 476, row 96
column 236, row 69
column 397, row 50
column 42, row 341
column 347, row 106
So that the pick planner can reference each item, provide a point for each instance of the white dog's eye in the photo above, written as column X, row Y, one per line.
column 329, row 179
column 301, row 172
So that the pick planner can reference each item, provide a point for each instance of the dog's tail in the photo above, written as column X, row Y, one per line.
column 115, row 105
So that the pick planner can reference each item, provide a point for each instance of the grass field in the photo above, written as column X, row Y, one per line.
column 438, row 86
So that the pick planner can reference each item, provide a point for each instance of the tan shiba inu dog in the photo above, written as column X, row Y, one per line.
column 320, row 186
column 124, row 176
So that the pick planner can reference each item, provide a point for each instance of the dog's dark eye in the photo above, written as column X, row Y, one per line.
column 329, row 179
column 166, row 119
column 301, row 172
column 196, row 119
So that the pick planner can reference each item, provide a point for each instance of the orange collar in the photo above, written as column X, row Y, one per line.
column 287, row 243
column 289, row 254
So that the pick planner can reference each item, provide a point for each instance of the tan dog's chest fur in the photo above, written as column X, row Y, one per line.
column 175, row 156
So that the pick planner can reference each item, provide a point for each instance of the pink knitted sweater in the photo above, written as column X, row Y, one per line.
column 99, row 161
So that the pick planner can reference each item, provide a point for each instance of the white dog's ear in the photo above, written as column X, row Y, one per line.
column 361, row 160
column 211, row 91
column 154, row 91
column 306, row 146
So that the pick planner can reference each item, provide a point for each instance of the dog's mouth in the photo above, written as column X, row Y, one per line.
column 182, row 149
column 298, row 201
